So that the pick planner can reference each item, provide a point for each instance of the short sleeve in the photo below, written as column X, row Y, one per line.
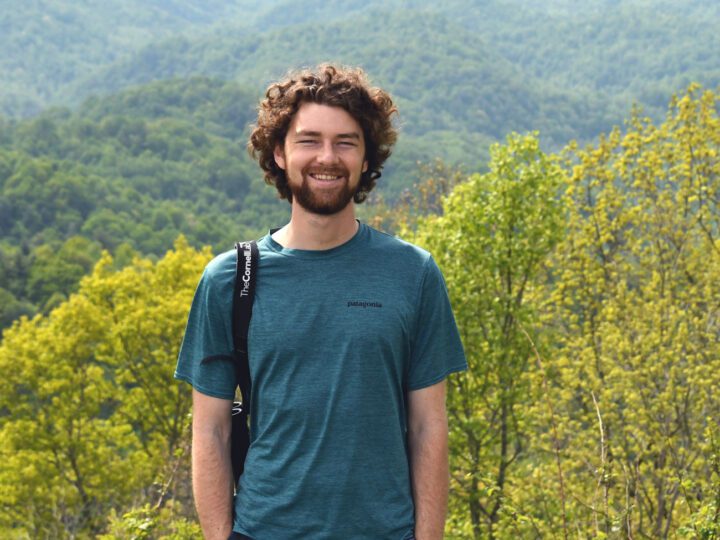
column 437, row 349
column 205, row 360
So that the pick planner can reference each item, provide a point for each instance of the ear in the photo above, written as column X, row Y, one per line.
column 365, row 166
column 279, row 155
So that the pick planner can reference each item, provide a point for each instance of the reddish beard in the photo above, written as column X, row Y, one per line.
column 324, row 202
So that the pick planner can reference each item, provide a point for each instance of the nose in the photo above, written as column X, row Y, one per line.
column 328, row 155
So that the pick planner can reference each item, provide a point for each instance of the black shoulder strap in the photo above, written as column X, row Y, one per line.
column 243, row 297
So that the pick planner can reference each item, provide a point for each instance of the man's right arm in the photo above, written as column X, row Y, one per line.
column 211, row 466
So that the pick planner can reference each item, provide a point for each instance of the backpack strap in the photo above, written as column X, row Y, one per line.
column 248, row 256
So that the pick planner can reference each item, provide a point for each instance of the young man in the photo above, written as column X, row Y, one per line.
column 350, row 342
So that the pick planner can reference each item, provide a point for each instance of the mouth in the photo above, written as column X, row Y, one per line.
column 327, row 178
column 324, row 177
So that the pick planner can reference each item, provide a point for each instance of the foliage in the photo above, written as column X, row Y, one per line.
column 152, row 523
column 91, row 418
column 591, row 328
column 704, row 523
column 632, row 313
column 436, row 181
column 128, row 173
column 490, row 242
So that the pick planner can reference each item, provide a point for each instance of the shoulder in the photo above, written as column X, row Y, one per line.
column 219, row 274
column 396, row 247
column 408, row 266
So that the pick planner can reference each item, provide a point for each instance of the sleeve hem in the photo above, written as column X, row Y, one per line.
column 437, row 379
column 203, row 389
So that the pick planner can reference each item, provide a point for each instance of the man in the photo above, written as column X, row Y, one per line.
column 350, row 342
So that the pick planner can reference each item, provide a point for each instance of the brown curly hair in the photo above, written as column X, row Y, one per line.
column 342, row 87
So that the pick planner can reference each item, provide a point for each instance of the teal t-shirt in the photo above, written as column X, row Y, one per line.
column 337, row 338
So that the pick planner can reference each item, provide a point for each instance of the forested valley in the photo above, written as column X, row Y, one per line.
column 562, row 164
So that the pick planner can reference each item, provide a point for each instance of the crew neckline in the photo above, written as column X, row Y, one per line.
column 317, row 253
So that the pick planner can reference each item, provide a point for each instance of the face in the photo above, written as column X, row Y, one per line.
column 323, row 158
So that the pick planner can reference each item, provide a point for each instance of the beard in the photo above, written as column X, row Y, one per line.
column 323, row 202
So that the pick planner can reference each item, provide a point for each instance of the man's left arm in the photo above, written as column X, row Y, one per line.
column 428, row 449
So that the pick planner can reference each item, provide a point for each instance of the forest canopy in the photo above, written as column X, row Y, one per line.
column 127, row 174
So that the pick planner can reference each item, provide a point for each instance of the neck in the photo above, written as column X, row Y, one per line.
column 317, row 232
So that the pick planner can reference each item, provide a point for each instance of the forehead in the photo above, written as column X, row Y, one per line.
column 324, row 119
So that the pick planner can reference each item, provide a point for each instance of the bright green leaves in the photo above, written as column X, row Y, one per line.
column 609, row 258
column 91, row 416
column 491, row 241
column 634, row 295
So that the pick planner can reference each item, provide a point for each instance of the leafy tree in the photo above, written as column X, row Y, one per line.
column 91, row 418
column 591, row 329
column 148, row 522
column 138, row 169
column 495, row 232
column 633, row 314
column 13, row 263
column 60, row 271
column 11, row 308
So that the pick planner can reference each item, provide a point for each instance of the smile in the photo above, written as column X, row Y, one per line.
column 325, row 177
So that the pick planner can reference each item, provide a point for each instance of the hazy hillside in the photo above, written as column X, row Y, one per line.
column 455, row 93
column 148, row 149
column 469, row 71
column 127, row 174
column 47, row 45
column 621, row 51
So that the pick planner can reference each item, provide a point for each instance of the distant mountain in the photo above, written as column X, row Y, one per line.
column 465, row 72
column 48, row 45
column 128, row 174
column 456, row 93
column 153, row 100
column 617, row 51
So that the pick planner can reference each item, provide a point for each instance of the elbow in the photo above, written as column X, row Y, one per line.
column 431, row 431
column 216, row 430
column 435, row 425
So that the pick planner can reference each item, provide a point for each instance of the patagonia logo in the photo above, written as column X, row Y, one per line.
column 363, row 304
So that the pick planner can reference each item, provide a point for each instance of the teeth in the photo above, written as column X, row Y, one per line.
column 325, row 177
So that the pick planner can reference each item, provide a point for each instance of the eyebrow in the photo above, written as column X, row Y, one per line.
column 305, row 133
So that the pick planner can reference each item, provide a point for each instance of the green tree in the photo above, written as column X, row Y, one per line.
column 152, row 523
column 491, row 241
column 11, row 308
column 59, row 271
column 91, row 418
column 633, row 314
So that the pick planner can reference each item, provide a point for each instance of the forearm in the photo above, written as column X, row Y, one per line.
column 428, row 447
column 212, row 481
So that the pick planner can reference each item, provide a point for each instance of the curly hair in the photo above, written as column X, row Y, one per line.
column 347, row 88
